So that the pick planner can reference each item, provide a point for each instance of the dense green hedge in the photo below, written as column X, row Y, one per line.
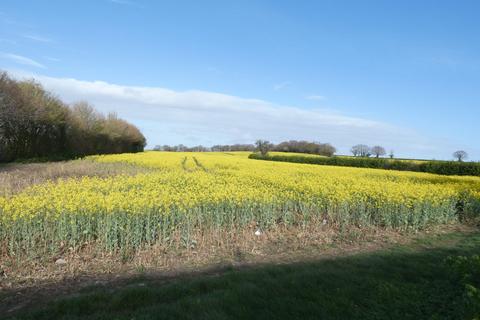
column 438, row 167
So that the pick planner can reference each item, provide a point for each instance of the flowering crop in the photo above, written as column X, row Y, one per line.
column 221, row 190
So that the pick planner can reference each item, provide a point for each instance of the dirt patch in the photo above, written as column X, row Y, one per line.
column 16, row 177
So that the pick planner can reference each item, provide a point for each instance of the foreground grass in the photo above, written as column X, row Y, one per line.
column 403, row 282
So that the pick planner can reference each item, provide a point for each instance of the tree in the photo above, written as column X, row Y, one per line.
column 263, row 146
column 391, row 155
column 32, row 120
column 324, row 149
column 35, row 123
column 460, row 155
column 361, row 150
column 355, row 151
column 378, row 151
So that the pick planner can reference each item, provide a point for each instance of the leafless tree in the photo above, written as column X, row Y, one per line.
column 391, row 155
column 378, row 151
column 233, row 147
column 361, row 150
column 355, row 151
column 263, row 146
column 460, row 155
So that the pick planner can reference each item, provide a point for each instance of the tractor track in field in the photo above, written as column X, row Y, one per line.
column 198, row 165
column 184, row 164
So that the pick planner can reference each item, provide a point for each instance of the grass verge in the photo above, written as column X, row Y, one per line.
column 402, row 282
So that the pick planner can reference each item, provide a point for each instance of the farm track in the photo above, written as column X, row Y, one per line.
column 198, row 165
column 184, row 164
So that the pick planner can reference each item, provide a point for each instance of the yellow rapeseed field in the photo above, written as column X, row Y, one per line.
column 221, row 190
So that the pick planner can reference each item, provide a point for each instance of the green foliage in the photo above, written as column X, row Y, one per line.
column 467, row 271
column 119, row 231
column 36, row 124
column 437, row 167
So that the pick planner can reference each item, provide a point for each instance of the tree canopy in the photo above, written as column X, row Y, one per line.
column 34, row 123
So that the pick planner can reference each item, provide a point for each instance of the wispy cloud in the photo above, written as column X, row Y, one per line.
column 22, row 60
column 13, row 22
column 282, row 85
column 202, row 117
column 3, row 40
column 315, row 97
column 52, row 59
column 448, row 62
column 127, row 3
column 37, row 38
column 213, row 70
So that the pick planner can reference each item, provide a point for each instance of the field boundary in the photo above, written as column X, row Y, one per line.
column 448, row 168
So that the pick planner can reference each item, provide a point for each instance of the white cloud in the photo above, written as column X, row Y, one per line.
column 201, row 117
column 37, row 38
column 282, row 85
column 315, row 97
column 22, row 60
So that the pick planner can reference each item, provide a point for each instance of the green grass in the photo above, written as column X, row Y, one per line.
column 403, row 282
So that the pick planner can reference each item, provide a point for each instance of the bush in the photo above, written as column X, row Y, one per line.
column 437, row 167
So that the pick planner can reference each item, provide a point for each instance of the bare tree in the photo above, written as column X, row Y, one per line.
column 361, row 150
column 355, row 151
column 263, row 146
column 391, row 155
column 378, row 151
column 460, row 155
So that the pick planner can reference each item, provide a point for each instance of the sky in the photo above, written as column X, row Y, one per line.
column 401, row 74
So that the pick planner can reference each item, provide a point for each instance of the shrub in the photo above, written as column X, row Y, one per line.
column 437, row 167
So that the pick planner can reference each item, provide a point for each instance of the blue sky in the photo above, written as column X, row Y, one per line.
column 403, row 74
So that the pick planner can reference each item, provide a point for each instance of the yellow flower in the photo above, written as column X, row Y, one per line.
column 193, row 180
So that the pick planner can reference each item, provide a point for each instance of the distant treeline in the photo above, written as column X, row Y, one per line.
column 433, row 166
column 324, row 149
column 36, row 124
column 200, row 148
